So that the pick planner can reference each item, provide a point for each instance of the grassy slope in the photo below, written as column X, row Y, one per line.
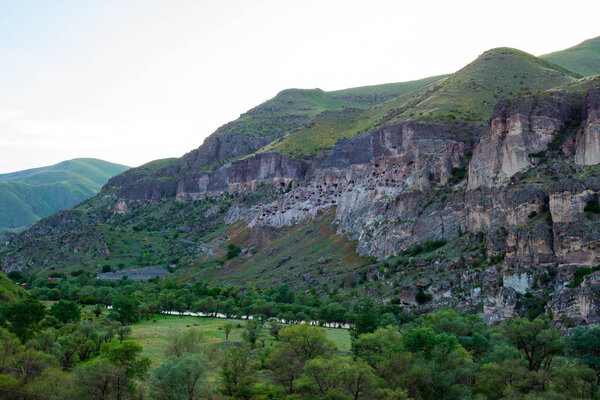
column 471, row 92
column 305, row 244
column 27, row 196
column 583, row 58
column 329, row 126
column 9, row 291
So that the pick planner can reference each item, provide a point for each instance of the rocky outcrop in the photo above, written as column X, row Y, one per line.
column 377, row 178
column 588, row 139
column 518, row 129
column 577, row 306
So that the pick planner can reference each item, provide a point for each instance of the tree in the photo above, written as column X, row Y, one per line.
column 237, row 372
column 584, row 344
column 537, row 340
column 253, row 331
column 359, row 381
column 97, row 310
column 307, row 341
column 123, row 332
column 274, row 328
column 286, row 366
column 66, row 311
column 188, row 342
column 22, row 317
column 227, row 328
column 114, row 373
column 321, row 377
column 127, row 309
column 179, row 378
column 367, row 319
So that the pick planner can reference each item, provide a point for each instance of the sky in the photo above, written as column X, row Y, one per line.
column 134, row 81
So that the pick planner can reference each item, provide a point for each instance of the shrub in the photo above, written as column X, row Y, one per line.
column 592, row 206
column 233, row 251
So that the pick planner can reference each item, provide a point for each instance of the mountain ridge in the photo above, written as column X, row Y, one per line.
column 35, row 193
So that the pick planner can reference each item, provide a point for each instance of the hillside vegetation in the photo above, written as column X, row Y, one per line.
column 29, row 195
column 583, row 58
column 9, row 291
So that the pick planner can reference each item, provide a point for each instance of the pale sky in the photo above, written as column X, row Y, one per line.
column 134, row 81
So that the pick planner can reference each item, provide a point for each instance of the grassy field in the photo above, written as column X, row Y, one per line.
column 152, row 334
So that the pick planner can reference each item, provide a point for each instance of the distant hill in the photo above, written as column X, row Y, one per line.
column 583, row 58
column 29, row 195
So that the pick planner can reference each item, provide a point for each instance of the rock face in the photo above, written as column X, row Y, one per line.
column 588, row 140
column 518, row 129
column 523, row 206
column 372, row 179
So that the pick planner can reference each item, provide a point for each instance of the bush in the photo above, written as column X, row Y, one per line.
column 422, row 297
column 592, row 206
column 233, row 251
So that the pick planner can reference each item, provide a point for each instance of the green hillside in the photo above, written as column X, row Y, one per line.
column 468, row 94
column 29, row 195
column 9, row 291
column 291, row 109
column 471, row 92
column 583, row 58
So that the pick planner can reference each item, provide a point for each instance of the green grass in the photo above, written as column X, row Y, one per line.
column 27, row 196
column 152, row 336
column 304, row 244
column 469, row 94
column 357, row 110
column 472, row 92
column 583, row 58
column 10, row 291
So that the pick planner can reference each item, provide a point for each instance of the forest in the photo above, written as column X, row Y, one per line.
column 81, row 347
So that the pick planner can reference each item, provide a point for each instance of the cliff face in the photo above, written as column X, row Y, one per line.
column 517, row 130
column 518, row 226
column 588, row 140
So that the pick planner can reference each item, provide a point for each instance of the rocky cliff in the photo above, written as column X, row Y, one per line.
column 501, row 220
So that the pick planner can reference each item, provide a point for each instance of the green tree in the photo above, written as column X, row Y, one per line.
column 286, row 367
column 127, row 309
column 307, row 341
column 274, row 328
column 66, row 311
column 114, row 374
column 537, row 340
column 23, row 317
column 584, row 344
column 227, row 328
column 252, row 331
column 367, row 319
column 237, row 372
column 188, row 342
column 179, row 378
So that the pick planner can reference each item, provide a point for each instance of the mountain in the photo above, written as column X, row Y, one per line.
column 27, row 196
column 479, row 190
column 583, row 58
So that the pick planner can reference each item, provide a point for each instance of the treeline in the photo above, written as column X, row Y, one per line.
column 445, row 355
column 156, row 296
